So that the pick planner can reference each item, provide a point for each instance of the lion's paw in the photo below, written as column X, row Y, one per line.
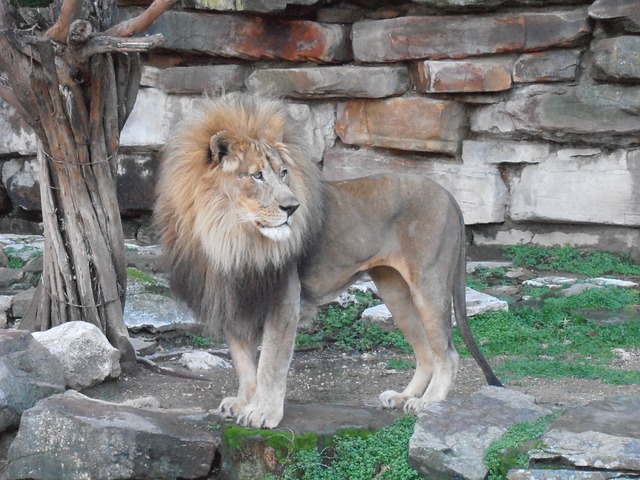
column 255, row 416
column 230, row 407
column 415, row 405
column 392, row 399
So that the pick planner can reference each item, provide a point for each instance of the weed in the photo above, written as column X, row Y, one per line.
column 15, row 262
column 510, row 451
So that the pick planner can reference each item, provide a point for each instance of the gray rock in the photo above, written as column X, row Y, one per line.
column 603, row 435
column 21, row 302
column 15, row 134
column 71, row 436
column 587, row 113
column 552, row 281
column 5, row 308
column 379, row 315
column 580, row 185
column 136, row 180
column 144, row 347
column 550, row 66
column 616, row 59
column 260, row 6
column 83, row 351
column 478, row 302
column 157, row 313
column 327, row 82
column 28, row 373
column 207, row 79
column 474, row 266
column 451, row 437
column 202, row 361
column 21, row 178
column 625, row 13
column 10, row 276
column 504, row 151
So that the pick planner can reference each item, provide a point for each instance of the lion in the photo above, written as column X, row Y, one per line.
column 252, row 234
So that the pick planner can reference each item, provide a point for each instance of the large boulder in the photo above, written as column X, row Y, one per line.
column 451, row 437
column 71, row 436
column 84, row 352
column 28, row 373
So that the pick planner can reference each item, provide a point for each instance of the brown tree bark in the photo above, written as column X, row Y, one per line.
column 76, row 86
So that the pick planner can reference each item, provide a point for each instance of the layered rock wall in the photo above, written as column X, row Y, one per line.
column 527, row 110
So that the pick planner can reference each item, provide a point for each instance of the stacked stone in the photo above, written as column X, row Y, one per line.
column 529, row 113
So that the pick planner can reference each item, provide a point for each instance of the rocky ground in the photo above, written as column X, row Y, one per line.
column 323, row 375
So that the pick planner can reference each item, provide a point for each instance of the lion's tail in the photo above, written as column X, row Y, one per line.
column 460, row 310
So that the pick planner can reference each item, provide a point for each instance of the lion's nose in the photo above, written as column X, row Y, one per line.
column 289, row 209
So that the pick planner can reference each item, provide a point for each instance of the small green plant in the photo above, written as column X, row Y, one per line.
column 200, row 341
column 571, row 260
column 15, row 262
column 511, row 450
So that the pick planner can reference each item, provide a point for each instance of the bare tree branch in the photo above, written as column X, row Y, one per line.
column 140, row 23
column 71, row 10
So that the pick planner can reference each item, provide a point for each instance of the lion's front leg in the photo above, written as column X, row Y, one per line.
column 243, row 354
column 266, row 408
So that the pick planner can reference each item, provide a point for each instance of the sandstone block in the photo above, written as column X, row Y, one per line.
column 416, row 123
column 550, row 66
column 251, row 37
column 586, row 113
column 616, row 59
column 504, row 151
column 436, row 37
column 343, row 81
column 201, row 79
column 479, row 189
column 581, row 185
column 625, row 13
column 439, row 76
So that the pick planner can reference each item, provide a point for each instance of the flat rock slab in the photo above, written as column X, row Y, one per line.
column 71, row 436
column 603, row 435
column 451, row 437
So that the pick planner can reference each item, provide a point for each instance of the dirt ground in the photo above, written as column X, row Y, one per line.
column 332, row 377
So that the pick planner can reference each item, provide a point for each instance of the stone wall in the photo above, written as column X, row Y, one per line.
column 527, row 110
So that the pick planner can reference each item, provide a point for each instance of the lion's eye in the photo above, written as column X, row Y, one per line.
column 258, row 175
column 284, row 172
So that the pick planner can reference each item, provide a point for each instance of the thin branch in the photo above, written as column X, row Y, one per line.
column 140, row 23
column 104, row 44
column 71, row 10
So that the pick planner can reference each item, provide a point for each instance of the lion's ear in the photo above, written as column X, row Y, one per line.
column 218, row 147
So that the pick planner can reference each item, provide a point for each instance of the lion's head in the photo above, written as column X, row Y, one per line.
column 236, row 179
column 237, row 198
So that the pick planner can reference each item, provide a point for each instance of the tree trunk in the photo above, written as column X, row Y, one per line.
column 76, row 89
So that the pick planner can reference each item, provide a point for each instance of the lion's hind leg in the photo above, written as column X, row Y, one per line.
column 396, row 294
column 243, row 354
column 433, row 302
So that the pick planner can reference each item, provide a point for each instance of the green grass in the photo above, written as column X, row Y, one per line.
column 571, row 260
column 558, row 340
column 381, row 455
column 510, row 451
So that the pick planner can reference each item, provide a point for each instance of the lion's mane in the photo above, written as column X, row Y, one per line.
column 224, row 270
